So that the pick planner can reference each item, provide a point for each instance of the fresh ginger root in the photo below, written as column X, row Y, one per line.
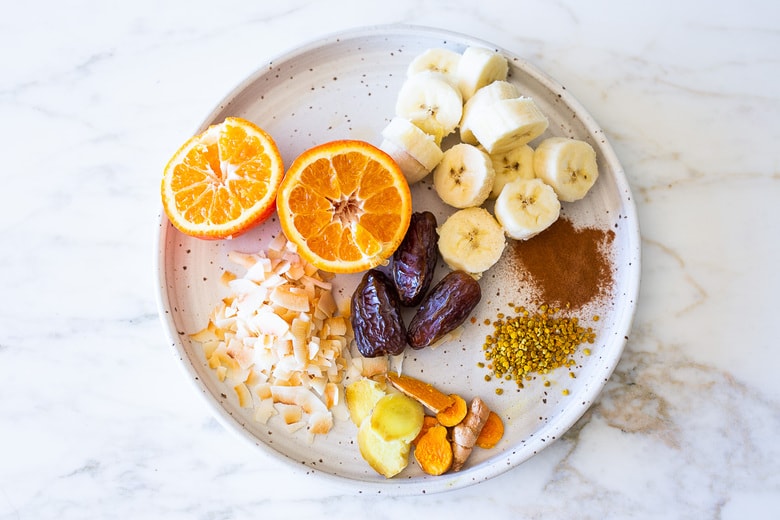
column 464, row 435
column 433, row 451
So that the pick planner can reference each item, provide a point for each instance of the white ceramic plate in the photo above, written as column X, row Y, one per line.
column 345, row 87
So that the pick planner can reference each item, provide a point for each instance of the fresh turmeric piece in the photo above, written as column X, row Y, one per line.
column 429, row 422
column 492, row 431
column 433, row 451
column 464, row 435
column 453, row 414
column 429, row 396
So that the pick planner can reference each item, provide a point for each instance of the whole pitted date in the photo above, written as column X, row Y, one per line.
column 376, row 316
column 414, row 262
column 444, row 309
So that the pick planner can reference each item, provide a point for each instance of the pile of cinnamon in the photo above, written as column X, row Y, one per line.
column 566, row 266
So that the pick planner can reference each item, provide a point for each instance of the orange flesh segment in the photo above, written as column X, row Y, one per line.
column 345, row 204
column 223, row 180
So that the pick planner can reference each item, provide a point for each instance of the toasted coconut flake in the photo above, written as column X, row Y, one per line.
column 327, row 304
column 290, row 298
column 296, row 271
column 297, row 395
column 269, row 323
column 374, row 366
column 259, row 272
column 290, row 413
column 279, row 243
column 320, row 422
column 227, row 277
column 244, row 396
column 264, row 410
column 331, row 395
column 294, row 427
column 209, row 347
column 246, row 260
column 205, row 335
column 263, row 391
column 336, row 326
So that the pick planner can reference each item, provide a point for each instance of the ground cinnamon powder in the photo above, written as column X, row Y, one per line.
column 566, row 265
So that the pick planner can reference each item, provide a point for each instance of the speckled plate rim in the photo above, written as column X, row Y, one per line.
column 546, row 435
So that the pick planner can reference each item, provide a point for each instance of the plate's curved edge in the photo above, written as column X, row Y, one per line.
column 473, row 475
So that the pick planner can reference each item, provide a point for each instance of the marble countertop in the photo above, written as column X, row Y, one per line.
column 96, row 419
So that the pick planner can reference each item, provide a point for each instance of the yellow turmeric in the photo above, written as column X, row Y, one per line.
column 433, row 451
column 453, row 414
column 492, row 431
column 429, row 396
column 429, row 422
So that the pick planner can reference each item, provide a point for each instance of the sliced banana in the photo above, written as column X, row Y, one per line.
column 516, row 163
column 431, row 102
column 471, row 240
column 415, row 152
column 507, row 123
column 568, row 165
column 464, row 177
column 486, row 95
column 443, row 61
column 526, row 207
column 479, row 67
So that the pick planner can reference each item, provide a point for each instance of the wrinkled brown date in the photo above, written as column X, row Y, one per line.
column 414, row 262
column 444, row 309
column 376, row 316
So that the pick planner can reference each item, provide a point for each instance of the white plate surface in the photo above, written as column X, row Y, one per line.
column 345, row 87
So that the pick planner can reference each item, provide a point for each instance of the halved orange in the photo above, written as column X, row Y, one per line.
column 222, row 181
column 345, row 204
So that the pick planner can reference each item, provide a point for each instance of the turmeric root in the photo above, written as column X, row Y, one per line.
column 429, row 396
column 429, row 422
column 464, row 435
column 453, row 414
column 433, row 451
column 491, row 432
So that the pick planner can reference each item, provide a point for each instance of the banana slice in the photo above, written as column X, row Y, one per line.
column 486, row 95
column 443, row 61
column 516, row 163
column 412, row 149
column 471, row 240
column 507, row 123
column 464, row 177
column 431, row 102
column 568, row 165
column 526, row 207
column 479, row 67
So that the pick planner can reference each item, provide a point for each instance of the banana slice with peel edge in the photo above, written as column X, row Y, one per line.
column 568, row 165
column 416, row 152
column 471, row 240
column 526, row 207
column 464, row 177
